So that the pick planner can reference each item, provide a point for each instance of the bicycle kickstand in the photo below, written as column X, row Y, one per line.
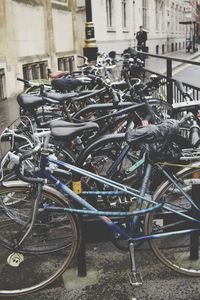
column 135, row 278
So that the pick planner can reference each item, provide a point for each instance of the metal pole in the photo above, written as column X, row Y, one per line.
column 193, row 37
column 90, row 50
column 194, row 237
column 88, row 8
column 169, row 82
column 81, row 255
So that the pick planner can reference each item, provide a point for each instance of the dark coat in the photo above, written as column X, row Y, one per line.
column 141, row 37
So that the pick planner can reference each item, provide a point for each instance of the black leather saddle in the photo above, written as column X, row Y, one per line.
column 60, row 97
column 29, row 101
column 61, row 129
column 65, row 84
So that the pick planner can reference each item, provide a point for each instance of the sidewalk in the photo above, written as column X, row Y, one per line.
column 109, row 268
column 159, row 65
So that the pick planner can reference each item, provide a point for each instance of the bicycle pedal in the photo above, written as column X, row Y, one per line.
column 135, row 279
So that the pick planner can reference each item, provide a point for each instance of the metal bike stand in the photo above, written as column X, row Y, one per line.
column 93, row 230
column 81, row 255
column 194, row 237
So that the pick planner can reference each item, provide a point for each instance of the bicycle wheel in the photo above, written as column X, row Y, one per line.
column 48, row 249
column 176, row 251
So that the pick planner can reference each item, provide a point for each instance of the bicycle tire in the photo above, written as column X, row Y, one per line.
column 174, row 251
column 48, row 249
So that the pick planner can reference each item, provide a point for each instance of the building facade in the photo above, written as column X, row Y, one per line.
column 34, row 35
column 116, row 23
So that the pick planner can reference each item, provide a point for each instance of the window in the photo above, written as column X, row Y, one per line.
column 163, row 16
column 124, row 14
column 2, row 85
column 157, row 15
column 43, row 70
column 35, row 70
column 176, row 17
column 144, row 13
column 109, row 12
column 66, row 63
column 173, row 17
column 59, row 3
column 65, row 2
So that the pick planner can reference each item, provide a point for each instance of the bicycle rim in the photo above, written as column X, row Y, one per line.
column 176, row 251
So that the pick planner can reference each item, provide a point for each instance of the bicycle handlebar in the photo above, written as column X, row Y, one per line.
column 85, row 60
column 27, row 83
column 18, row 159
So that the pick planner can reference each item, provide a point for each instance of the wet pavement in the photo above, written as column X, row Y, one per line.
column 9, row 112
column 110, row 267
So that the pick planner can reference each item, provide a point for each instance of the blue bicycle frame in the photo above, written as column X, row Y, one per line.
column 142, row 195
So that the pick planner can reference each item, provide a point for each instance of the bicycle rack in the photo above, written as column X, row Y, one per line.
column 90, row 228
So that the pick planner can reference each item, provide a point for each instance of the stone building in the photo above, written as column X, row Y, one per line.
column 116, row 23
column 35, row 34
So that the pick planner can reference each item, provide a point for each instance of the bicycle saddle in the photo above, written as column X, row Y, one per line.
column 29, row 101
column 65, row 84
column 61, row 130
column 60, row 97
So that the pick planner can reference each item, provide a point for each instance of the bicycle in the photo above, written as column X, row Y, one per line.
column 56, row 214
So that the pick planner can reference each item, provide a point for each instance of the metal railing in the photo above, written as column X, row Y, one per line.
column 169, row 91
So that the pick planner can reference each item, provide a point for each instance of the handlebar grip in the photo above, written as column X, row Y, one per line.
column 20, row 79
column 26, row 82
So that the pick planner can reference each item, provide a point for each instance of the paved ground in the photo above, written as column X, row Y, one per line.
column 159, row 65
column 108, row 267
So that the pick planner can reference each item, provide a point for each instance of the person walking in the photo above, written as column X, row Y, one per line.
column 141, row 37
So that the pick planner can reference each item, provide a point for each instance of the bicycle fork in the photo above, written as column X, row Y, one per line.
column 16, row 258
